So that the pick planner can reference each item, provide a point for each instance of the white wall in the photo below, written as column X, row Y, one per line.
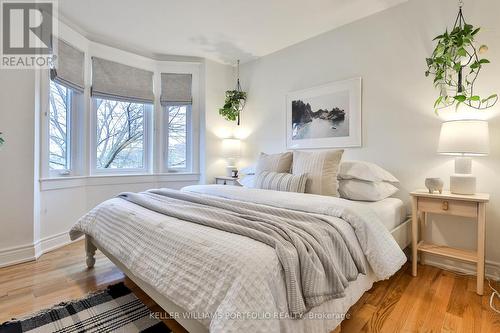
column 400, row 130
column 17, row 174
column 218, row 79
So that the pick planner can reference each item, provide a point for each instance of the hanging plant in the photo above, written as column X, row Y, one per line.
column 455, row 65
column 235, row 101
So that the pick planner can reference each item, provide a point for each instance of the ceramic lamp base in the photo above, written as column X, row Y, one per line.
column 463, row 184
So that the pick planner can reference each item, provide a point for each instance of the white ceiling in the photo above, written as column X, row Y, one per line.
column 221, row 30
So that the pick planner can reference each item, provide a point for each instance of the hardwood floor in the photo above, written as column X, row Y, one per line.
column 435, row 301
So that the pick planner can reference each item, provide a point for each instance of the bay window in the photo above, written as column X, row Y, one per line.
column 115, row 131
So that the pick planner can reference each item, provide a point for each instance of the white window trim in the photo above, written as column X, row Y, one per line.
column 75, row 160
column 148, row 144
column 193, row 137
column 48, row 184
column 189, row 141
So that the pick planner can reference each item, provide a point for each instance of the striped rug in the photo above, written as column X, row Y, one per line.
column 115, row 309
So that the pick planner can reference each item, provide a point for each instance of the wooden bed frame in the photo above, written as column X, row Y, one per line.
column 402, row 235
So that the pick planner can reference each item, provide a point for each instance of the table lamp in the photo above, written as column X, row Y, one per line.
column 464, row 139
column 231, row 149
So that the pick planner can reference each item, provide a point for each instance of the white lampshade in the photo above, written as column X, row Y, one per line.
column 231, row 148
column 464, row 137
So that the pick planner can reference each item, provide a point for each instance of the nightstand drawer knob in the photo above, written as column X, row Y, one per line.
column 445, row 205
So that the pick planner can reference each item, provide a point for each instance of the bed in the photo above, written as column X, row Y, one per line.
column 212, row 280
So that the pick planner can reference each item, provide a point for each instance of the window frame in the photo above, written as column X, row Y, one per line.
column 74, row 111
column 197, row 111
column 148, row 142
column 83, row 113
column 189, row 139
column 70, row 98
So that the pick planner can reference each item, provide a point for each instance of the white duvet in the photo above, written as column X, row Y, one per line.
column 232, row 283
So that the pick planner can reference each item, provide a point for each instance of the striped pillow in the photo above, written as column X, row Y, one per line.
column 285, row 182
column 274, row 163
column 321, row 168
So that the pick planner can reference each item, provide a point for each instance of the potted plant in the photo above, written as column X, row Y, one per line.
column 234, row 103
column 456, row 64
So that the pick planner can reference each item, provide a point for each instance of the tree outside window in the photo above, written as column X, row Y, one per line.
column 120, row 134
column 177, row 157
column 59, row 129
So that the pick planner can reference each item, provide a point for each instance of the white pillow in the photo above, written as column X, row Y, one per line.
column 321, row 168
column 366, row 171
column 247, row 181
column 365, row 191
column 249, row 170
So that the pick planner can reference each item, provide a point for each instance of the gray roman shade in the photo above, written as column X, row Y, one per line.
column 176, row 89
column 112, row 80
column 69, row 67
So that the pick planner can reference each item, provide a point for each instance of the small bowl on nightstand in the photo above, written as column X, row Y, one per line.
column 434, row 184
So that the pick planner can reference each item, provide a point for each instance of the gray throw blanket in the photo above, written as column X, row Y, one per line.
column 317, row 261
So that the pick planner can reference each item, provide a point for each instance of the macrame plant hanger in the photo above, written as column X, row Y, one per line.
column 460, row 22
column 238, row 89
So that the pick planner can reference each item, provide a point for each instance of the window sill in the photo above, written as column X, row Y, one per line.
column 55, row 183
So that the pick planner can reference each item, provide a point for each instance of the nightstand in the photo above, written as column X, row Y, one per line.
column 472, row 206
column 222, row 180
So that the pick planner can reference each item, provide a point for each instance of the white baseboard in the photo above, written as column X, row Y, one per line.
column 17, row 255
column 20, row 254
column 51, row 243
column 492, row 268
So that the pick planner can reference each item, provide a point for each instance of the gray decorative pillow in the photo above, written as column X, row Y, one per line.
column 274, row 163
column 285, row 182
column 321, row 168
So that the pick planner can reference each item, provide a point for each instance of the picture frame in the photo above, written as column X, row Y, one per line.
column 326, row 116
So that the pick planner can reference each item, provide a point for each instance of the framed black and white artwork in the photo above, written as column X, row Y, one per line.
column 327, row 116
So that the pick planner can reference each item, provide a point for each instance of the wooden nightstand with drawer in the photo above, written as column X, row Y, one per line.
column 472, row 206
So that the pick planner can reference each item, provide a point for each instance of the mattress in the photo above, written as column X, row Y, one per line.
column 391, row 211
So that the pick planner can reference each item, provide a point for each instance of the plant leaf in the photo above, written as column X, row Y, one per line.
column 436, row 103
column 490, row 97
